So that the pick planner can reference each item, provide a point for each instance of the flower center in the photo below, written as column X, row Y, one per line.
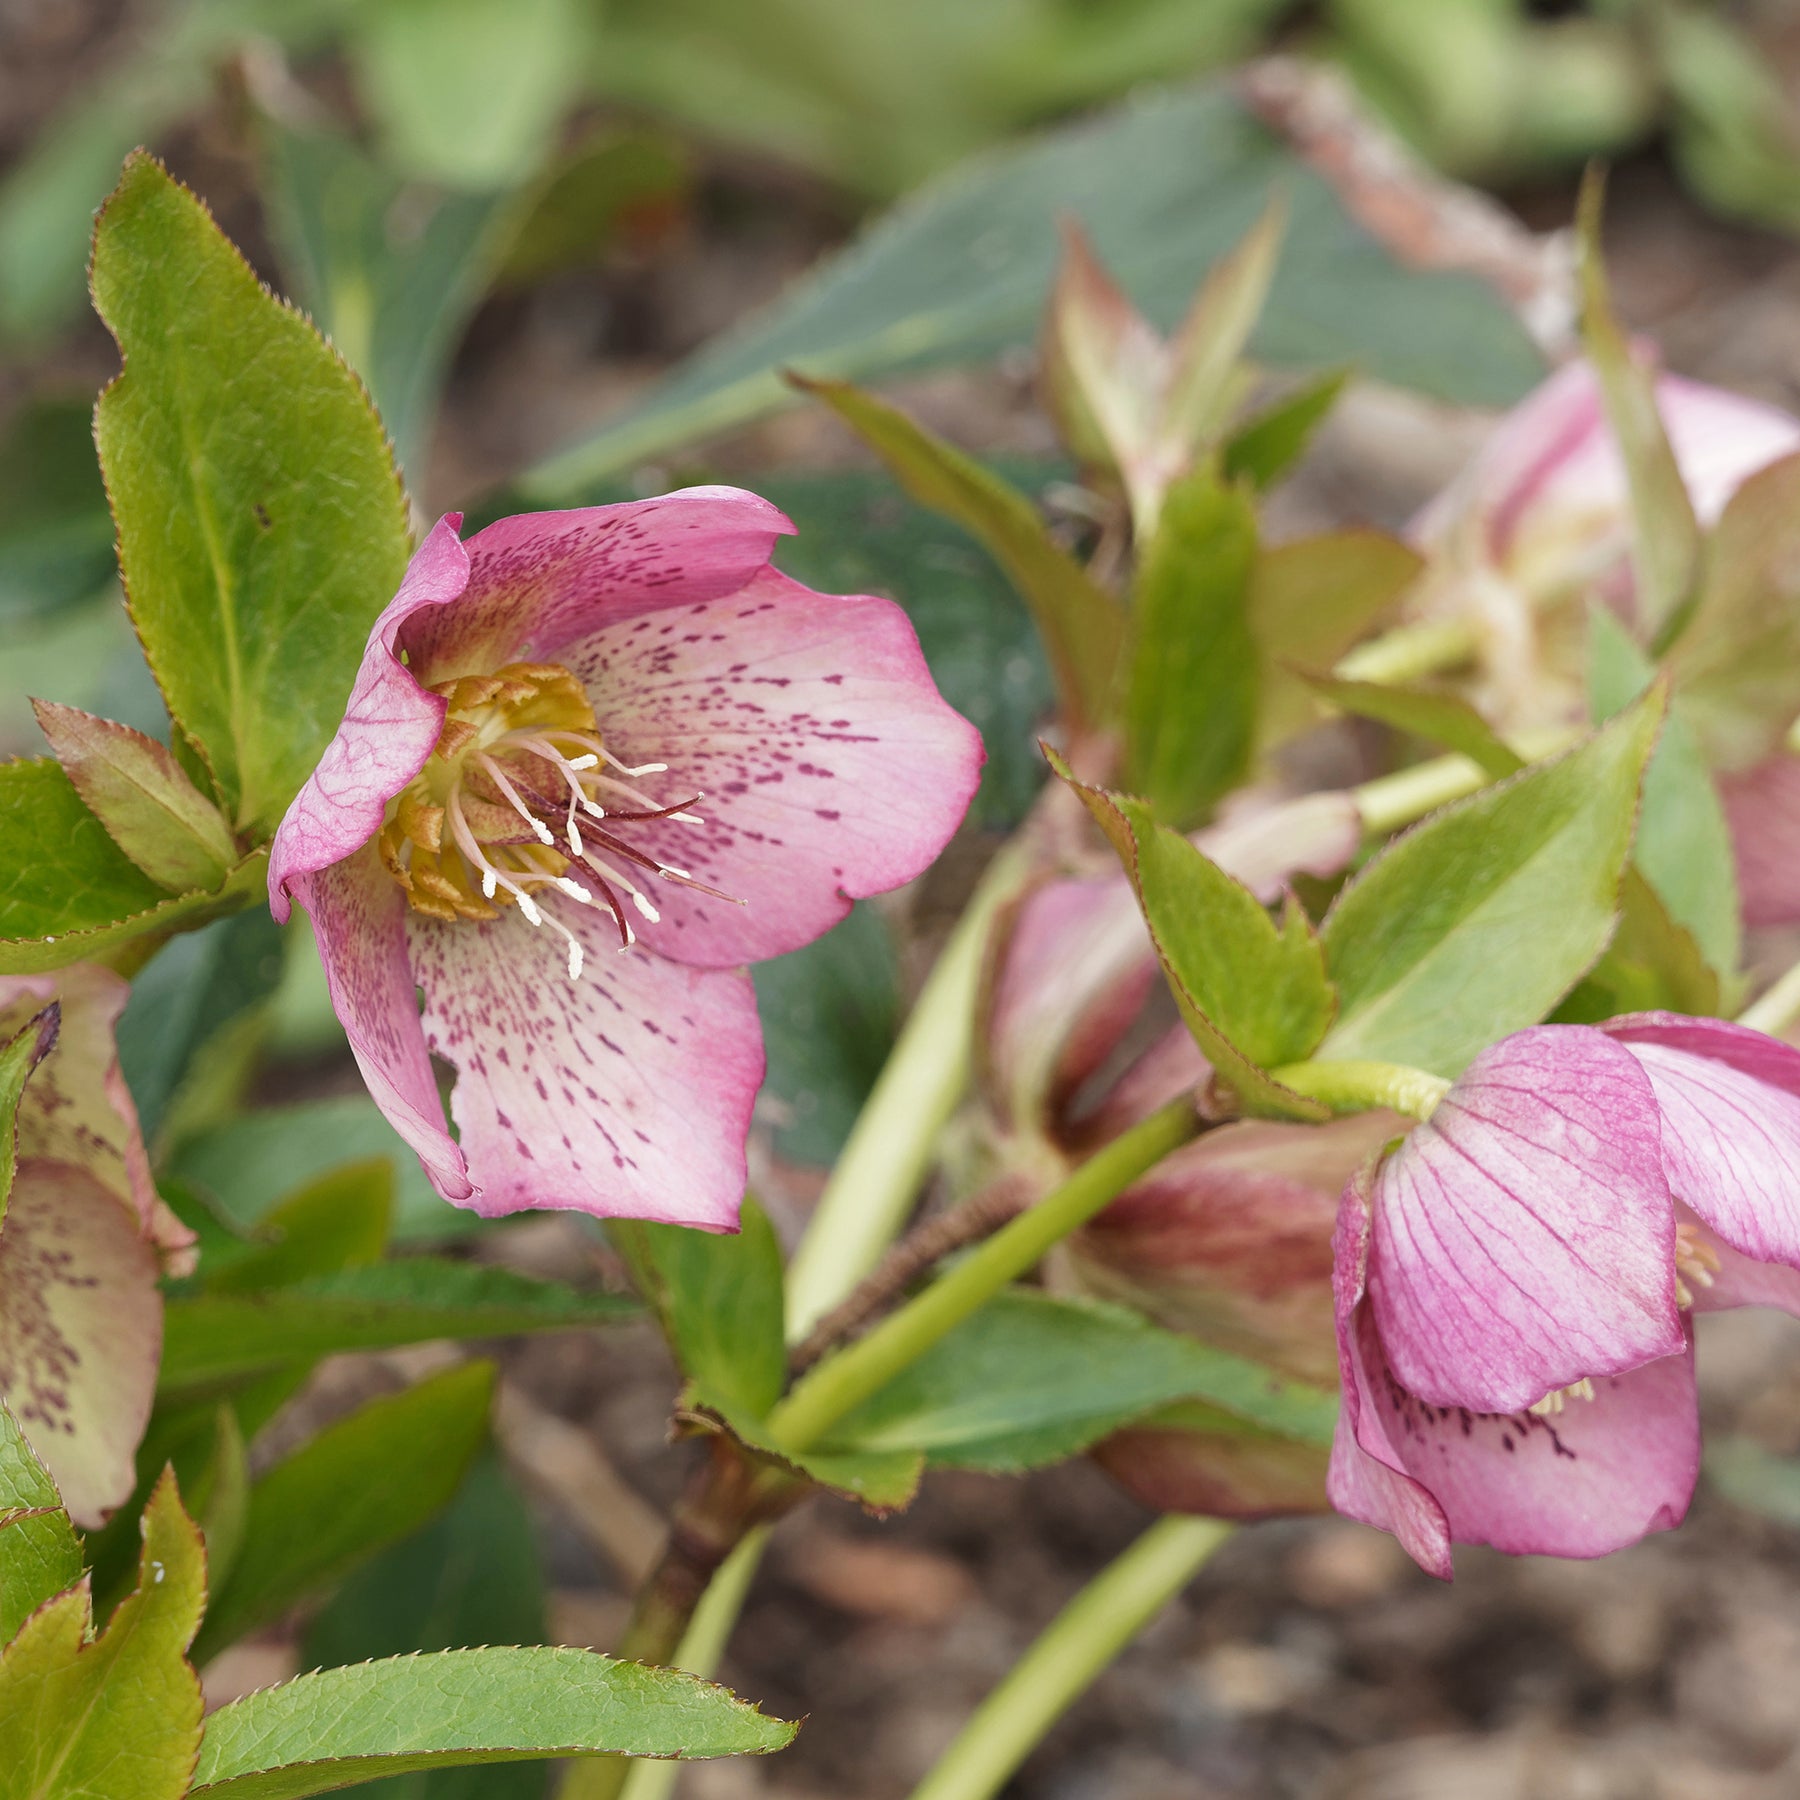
column 519, row 796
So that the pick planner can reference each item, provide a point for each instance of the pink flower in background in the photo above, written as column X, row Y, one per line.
column 1515, row 1283
column 587, row 733
column 1543, row 515
column 83, row 1243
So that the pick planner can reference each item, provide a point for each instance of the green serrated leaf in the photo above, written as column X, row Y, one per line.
column 456, row 1708
column 1477, row 922
column 721, row 1303
column 1253, row 993
column 1683, row 842
column 145, row 799
column 261, row 523
column 68, row 893
column 1310, row 600
column 1436, row 714
column 20, row 1054
column 120, row 1715
column 472, row 1576
column 1080, row 623
column 1164, row 186
column 1033, row 1379
column 224, row 1336
column 1265, row 447
column 1190, row 707
column 40, row 1555
column 359, row 1486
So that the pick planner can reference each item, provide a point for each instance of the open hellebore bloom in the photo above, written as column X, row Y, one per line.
column 594, row 762
column 1515, row 1283
column 1227, row 1240
column 82, row 1243
column 1543, row 514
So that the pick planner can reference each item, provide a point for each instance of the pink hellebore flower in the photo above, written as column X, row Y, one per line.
column 1543, row 514
column 577, row 731
column 1515, row 1283
column 82, row 1244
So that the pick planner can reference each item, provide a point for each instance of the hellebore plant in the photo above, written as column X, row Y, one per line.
column 1516, row 1282
column 595, row 761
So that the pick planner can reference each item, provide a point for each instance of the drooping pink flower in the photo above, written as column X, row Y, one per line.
column 594, row 762
column 1542, row 516
column 1515, row 1283
column 83, row 1241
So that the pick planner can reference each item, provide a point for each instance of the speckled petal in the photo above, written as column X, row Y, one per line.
column 358, row 917
column 538, row 581
column 80, row 1332
column 626, row 1094
column 1593, row 1478
column 1524, row 1237
column 388, row 731
column 829, row 765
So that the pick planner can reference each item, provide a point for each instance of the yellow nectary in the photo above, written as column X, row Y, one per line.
column 497, row 812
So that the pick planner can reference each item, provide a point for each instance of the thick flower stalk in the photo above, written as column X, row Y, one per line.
column 1516, row 1283
column 593, row 763
column 83, row 1242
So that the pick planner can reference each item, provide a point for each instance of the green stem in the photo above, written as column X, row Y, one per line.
column 1352, row 1086
column 1776, row 1009
column 843, row 1381
column 1391, row 801
column 1065, row 1661
column 889, row 1151
column 1409, row 651
column 701, row 1651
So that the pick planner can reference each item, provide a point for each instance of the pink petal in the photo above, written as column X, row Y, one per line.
column 1595, row 1477
column 1076, row 970
column 539, row 580
column 1762, row 808
column 1523, row 1238
column 358, row 916
column 626, row 1093
column 389, row 728
column 1730, row 1100
column 1740, row 1280
column 830, row 766
column 80, row 1332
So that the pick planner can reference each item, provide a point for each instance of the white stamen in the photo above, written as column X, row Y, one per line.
column 673, row 873
column 528, row 906
column 687, row 818
column 644, row 769
column 489, row 882
column 574, row 835
column 645, row 907
column 574, row 890
column 498, row 776
column 574, row 960
column 590, row 761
